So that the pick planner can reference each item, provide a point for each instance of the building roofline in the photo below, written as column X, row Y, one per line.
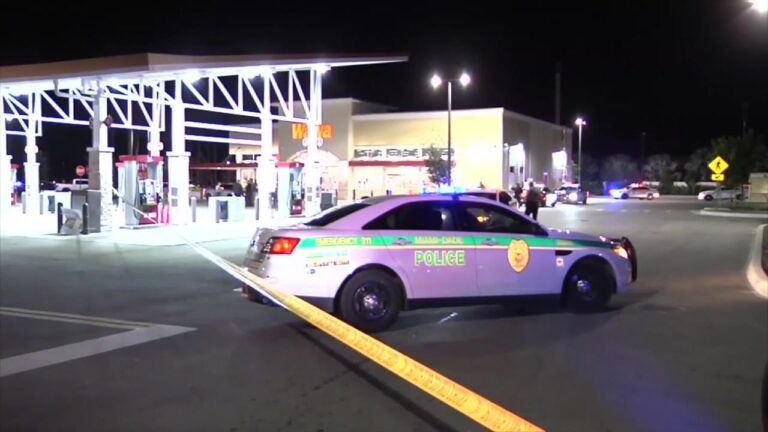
column 425, row 114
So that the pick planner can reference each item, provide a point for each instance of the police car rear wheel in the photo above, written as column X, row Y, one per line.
column 588, row 286
column 370, row 301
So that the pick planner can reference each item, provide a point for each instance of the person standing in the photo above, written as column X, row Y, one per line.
column 249, row 193
column 532, row 201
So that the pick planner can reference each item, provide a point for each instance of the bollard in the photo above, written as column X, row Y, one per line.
column 194, row 209
column 84, row 230
column 256, row 207
column 59, row 217
column 354, row 194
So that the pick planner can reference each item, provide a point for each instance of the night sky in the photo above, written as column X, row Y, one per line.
column 680, row 71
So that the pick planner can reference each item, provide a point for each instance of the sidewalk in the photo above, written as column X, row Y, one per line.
column 205, row 230
column 726, row 212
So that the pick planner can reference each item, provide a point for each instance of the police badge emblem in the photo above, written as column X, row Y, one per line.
column 518, row 255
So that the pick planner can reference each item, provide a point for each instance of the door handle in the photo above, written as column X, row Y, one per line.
column 489, row 242
column 401, row 242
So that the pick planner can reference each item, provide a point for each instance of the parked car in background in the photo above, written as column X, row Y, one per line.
column 76, row 185
column 501, row 196
column 635, row 191
column 572, row 194
column 48, row 186
column 723, row 194
column 548, row 197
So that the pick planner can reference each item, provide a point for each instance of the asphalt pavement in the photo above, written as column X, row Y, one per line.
column 683, row 351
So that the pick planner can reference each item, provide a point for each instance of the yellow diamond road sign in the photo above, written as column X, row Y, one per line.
column 718, row 165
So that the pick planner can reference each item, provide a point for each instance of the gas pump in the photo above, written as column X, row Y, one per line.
column 14, row 169
column 290, row 200
column 140, row 182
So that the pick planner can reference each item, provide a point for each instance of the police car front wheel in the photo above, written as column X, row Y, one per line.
column 371, row 301
column 588, row 286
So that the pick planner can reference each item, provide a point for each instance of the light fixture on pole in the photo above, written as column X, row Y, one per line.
column 580, row 122
column 436, row 82
column 760, row 6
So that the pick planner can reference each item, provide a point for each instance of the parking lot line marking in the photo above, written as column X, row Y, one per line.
column 67, row 320
column 47, row 357
column 451, row 315
column 133, row 324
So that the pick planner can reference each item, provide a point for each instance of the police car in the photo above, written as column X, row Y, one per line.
column 369, row 260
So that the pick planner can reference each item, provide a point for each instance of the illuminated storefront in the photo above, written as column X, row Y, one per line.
column 367, row 150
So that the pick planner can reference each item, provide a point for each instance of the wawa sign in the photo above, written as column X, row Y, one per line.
column 300, row 131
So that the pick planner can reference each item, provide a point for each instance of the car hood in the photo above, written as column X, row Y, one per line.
column 565, row 234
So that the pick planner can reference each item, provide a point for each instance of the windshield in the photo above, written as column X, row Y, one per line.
column 333, row 214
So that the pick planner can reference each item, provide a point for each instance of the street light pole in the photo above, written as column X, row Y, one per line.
column 436, row 81
column 450, row 91
column 580, row 122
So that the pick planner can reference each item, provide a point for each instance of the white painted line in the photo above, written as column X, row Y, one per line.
column 451, row 315
column 75, row 316
column 667, row 211
column 646, row 211
column 601, row 209
column 623, row 210
column 755, row 273
column 26, row 362
column 68, row 320
column 706, row 212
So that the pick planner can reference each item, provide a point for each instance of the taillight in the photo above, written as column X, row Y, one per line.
column 280, row 245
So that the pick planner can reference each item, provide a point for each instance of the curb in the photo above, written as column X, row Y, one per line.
column 706, row 212
column 755, row 273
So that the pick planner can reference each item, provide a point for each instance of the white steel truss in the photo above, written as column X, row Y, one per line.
column 137, row 103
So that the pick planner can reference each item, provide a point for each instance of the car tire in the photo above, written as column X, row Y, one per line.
column 589, row 286
column 708, row 198
column 624, row 196
column 370, row 301
column 739, row 197
column 650, row 197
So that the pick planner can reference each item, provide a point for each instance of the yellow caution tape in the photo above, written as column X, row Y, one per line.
column 474, row 406
column 467, row 402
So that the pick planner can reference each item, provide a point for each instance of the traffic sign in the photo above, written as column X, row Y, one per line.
column 80, row 170
column 718, row 165
column 718, row 177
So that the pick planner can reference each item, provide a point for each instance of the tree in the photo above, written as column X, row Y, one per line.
column 437, row 167
column 619, row 167
column 591, row 169
column 696, row 166
column 744, row 156
column 661, row 167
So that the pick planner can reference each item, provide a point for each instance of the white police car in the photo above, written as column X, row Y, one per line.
column 371, row 259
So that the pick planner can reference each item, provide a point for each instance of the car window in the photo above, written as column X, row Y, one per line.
column 476, row 217
column 421, row 216
column 333, row 214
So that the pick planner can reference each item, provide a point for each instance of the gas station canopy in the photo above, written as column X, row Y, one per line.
column 166, row 67
column 133, row 92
